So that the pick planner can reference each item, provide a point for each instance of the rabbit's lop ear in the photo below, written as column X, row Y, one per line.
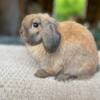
column 51, row 36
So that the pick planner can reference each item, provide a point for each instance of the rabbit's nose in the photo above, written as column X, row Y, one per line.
column 33, row 35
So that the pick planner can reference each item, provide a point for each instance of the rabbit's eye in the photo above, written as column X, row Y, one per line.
column 35, row 25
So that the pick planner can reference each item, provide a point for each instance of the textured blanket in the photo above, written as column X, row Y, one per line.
column 17, row 80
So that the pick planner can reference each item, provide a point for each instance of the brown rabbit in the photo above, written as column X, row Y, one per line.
column 64, row 49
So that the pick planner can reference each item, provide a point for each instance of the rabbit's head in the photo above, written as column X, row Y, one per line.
column 40, row 28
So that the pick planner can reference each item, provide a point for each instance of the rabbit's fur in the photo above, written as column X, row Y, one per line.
column 64, row 49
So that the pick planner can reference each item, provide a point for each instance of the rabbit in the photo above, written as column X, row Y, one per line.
column 65, row 50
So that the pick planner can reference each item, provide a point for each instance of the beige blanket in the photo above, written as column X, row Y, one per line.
column 17, row 80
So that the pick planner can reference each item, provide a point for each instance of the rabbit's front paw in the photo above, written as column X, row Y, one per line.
column 41, row 73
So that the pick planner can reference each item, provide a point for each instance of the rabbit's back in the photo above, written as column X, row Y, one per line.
column 75, row 33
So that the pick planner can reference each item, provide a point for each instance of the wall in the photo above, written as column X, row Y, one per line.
column 9, row 16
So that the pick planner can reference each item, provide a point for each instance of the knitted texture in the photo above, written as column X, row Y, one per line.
column 17, row 80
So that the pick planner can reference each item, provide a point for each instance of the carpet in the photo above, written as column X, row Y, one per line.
column 17, row 80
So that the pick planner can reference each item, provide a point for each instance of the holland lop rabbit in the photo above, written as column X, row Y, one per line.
column 63, row 49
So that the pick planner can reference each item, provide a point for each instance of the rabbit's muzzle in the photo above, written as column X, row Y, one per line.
column 33, row 39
